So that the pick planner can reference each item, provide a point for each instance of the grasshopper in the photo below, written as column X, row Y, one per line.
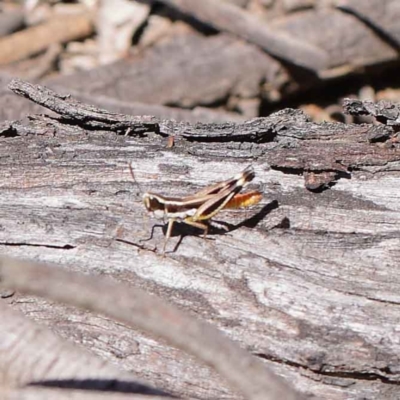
column 199, row 208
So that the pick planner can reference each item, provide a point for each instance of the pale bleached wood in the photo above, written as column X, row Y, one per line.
column 141, row 310
column 32, row 354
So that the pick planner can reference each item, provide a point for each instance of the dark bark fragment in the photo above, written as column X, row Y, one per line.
column 384, row 111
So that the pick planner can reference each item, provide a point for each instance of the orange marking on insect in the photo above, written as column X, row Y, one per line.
column 171, row 142
column 244, row 200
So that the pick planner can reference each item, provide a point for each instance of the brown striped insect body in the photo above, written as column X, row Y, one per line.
column 202, row 206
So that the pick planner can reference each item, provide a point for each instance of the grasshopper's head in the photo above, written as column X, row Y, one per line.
column 152, row 202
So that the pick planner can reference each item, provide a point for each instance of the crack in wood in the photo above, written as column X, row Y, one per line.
column 49, row 246
column 334, row 372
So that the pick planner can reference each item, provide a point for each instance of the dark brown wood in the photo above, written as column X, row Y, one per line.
column 308, row 281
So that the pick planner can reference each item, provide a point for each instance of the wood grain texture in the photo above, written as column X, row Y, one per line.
column 149, row 313
column 308, row 280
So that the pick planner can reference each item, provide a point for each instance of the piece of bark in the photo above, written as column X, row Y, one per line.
column 296, row 5
column 31, row 41
column 318, row 181
column 384, row 111
column 232, row 19
column 14, row 107
column 146, row 312
column 317, row 274
column 88, row 116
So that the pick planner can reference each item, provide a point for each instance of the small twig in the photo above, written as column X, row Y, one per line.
column 31, row 41
column 141, row 310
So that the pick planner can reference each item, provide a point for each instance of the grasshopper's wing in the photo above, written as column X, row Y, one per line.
column 246, row 175
column 216, row 203
column 213, row 189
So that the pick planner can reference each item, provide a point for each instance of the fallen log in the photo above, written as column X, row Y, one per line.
column 307, row 281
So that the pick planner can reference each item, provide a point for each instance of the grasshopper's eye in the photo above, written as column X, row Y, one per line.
column 147, row 201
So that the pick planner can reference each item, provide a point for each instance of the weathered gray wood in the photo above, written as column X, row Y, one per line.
column 31, row 354
column 140, row 310
column 309, row 283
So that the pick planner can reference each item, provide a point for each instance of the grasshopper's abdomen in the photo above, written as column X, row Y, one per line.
column 241, row 200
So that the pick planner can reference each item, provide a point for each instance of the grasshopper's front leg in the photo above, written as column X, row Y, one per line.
column 168, row 235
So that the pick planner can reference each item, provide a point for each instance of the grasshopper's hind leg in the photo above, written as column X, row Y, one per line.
column 197, row 224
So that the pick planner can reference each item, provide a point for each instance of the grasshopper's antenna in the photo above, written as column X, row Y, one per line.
column 145, row 217
column 134, row 179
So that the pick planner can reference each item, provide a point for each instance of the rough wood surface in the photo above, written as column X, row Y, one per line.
column 140, row 310
column 308, row 281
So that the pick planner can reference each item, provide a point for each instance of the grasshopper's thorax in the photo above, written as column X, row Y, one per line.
column 169, row 207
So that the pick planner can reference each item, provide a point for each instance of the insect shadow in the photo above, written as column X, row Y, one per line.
column 216, row 227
